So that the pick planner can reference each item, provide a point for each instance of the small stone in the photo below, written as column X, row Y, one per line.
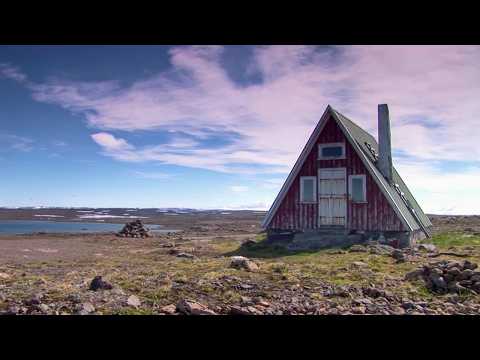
column 118, row 291
column 357, row 248
column 35, row 300
column 465, row 274
column 4, row 276
column 44, row 308
column 185, row 255
column 358, row 310
column 237, row 310
column 263, row 303
column 414, row 275
column 427, row 247
column 133, row 301
column 86, row 308
column 99, row 284
column 397, row 310
column 74, row 298
column 398, row 254
column 169, row 309
column 168, row 245
column 187, row 307
column 241, row 262
column 359, row 264
column 454, row 271
column 439, row 282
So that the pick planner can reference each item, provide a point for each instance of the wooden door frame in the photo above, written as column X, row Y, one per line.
column 346, row 193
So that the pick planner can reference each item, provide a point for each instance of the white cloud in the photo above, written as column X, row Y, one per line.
column 110, row 143
column 152, row 175
column 442, row 192
column 239, row 188
column 432, row 92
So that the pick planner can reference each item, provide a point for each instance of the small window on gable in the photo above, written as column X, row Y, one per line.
column 308, row 189
column 331, row 151
column 358, row 188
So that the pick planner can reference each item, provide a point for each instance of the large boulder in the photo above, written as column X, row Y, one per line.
column 99, row 284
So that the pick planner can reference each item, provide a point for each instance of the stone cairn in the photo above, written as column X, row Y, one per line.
column 449, row 276
column 135, row 229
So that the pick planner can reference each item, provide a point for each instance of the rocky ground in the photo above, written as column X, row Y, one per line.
column 226, row 268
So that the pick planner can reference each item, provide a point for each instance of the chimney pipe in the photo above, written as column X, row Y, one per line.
column 384, row 143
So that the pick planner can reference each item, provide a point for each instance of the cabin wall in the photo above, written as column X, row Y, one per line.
column 375, row 215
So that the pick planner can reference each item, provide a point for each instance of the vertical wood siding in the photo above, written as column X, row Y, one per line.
column 375, row 215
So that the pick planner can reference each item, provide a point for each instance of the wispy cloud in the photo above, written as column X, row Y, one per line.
column 152, row 175
column 239, row 188
column 432, row 92
column 12, row 72
column 426, row 83
column 59, row 143
column 15, row 142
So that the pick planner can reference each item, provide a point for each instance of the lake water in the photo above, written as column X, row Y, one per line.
column 30, row 226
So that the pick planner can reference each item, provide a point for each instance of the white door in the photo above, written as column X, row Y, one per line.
column 332, row 196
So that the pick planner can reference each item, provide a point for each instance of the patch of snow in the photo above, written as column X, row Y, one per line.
column 55, row 216
column 103, row 216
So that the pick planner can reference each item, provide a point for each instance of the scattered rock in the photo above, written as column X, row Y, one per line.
column 427, row 247
column 399, row 255
column 85, row 309
column 168, row 245
column 74, row 298
column 358, row 248
column 447, row 276
column 241, row 262
column 133, row 301
column 187, row 307
column 99, row 284
column 44, row 308
column 380, row 249
column 358, row 310
column 185, row 255
column 359, row 264
column 4, row 276
column 35, row 300
column 169, row 309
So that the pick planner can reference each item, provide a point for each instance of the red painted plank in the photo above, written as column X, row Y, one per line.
column 375, row 215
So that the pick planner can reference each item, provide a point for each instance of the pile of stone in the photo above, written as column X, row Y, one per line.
column 135, row 229
column 448, row 276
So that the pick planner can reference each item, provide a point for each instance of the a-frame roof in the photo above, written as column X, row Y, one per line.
column 397, row 193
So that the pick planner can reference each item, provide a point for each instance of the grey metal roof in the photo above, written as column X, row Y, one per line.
column 398, row 193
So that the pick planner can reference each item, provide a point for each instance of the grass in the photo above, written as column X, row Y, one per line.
column 151, row 275
column 448, row 239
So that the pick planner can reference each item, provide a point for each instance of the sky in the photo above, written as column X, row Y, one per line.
column 221, row 126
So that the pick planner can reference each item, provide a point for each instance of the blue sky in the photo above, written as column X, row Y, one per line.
column 220, row 127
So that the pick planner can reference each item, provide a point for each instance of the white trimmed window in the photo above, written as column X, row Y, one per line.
column 358, row 188
column 308, row 189
column 331, row 151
